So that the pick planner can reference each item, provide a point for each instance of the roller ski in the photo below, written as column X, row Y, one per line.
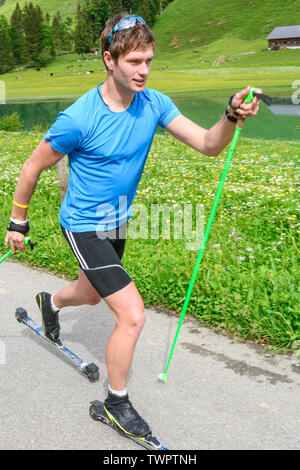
column 90, row 370
column 119, row 414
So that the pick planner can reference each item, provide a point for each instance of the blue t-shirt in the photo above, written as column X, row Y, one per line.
column 107, row 152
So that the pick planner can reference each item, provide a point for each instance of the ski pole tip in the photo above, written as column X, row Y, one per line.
column 162, row 377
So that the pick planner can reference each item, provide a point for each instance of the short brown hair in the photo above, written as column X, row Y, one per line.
column 139, row 36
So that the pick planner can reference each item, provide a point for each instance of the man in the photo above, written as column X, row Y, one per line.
column 107, row 134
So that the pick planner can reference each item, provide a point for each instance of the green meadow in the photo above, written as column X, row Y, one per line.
column 178, row 78
column 248, row 282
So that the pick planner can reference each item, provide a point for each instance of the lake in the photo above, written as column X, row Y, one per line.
column 204, row 111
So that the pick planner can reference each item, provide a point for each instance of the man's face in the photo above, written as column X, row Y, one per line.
column 132, row 69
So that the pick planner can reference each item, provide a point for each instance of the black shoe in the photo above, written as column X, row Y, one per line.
column 120, row 411
column 50, row 318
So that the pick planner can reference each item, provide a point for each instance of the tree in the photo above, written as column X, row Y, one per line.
column 127, row 5
column 114, row 7
column 32, row 20
column 57, row 30
column 17, row 34
column 38, row 36
column 82, row 36
column 148, row 9
column 96, row 17
column 62, row 32
column 48, row 44
column 68, row 36
column 143, row 9
column 6, row 55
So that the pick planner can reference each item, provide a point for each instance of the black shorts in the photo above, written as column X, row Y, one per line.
column 99, row 256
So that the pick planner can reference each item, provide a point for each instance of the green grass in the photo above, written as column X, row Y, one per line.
column 193, row 23
column 65, row 7
column 236, row 54
column 248, row 283
column 180, row 77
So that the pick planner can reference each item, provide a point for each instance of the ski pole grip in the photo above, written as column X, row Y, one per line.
column 250, row 96
column 247, row 99
column 28, row 242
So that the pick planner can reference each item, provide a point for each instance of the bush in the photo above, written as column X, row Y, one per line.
column 11, row 123
column 41, row 128
column 44, row 59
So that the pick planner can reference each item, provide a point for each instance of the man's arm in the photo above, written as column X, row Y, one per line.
column 44, row 156
column 211, row 142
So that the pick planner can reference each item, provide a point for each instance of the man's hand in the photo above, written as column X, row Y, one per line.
column 16, row 241
column 245, row 109
column 213, row 141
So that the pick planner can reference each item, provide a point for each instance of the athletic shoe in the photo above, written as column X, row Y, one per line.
column 50, row 318
column 121, row 412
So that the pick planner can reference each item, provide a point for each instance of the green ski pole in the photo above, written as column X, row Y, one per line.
column 163, row 376
column 26, row 242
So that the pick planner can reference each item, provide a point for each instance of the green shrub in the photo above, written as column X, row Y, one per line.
column 11, row 123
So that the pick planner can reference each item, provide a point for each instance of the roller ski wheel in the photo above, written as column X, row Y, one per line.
column 21, row 314
column 97, row 413
column 91, row 371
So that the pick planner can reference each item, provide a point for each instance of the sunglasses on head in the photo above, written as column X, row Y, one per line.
column 126, row 23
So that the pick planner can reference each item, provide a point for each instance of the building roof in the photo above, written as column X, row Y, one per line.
column 285, row 32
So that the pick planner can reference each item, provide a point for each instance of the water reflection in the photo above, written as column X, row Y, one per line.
column 41, row 114
column 279, row 121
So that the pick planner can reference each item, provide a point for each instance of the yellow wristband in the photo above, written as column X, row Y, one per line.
column 21, row 205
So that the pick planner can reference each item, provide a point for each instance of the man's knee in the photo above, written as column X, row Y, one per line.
column 90, row 299
column 128, row 308
column 139, row 320
column 94, row 300
column 136, row 319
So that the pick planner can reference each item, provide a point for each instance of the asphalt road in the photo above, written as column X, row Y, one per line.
column 221, row 393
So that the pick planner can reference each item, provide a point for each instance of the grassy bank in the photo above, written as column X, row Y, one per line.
column 184, row 74
column 248, row 283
